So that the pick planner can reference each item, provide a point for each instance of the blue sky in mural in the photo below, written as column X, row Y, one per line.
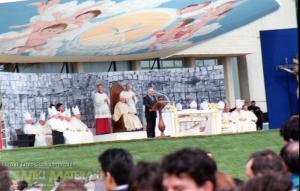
column 120, row 27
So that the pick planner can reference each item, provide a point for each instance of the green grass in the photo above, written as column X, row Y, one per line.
column 230, row 151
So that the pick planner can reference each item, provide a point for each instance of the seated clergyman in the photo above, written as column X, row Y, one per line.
column 131, row 121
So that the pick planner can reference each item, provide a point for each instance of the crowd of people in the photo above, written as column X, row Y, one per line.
column 187, row 169
column 61, row 127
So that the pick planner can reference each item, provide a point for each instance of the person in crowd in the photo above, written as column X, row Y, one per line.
column 258, row 113
column 130, row 96
column 149, row 101
column 29, row 128
column 42, row 133
column 116, row 166
column 146, row 176
column 91, row 184
column 224, row 182
column 250, row 124
column 290, row 155
column 131, row 121
column 290, row 130
column 239, row 117
column 86, row 135
column 5, row 179
column 36, row 186
column 189, row 169
column 262, row 162
column 22, row 185
column 71, row 185
column 268, row 182
column 102, row 111
column 13, row 185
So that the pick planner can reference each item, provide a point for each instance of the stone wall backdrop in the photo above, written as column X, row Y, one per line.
column 35, row 92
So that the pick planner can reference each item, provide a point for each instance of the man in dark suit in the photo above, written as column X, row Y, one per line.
column 259, row 114
column 149, row 101
column 116, row 166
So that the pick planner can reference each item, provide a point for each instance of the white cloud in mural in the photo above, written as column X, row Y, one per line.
column 9, row 42
column 134, row 5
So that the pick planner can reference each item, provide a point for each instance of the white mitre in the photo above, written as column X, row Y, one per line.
column 67, row 113
column 75, row 110
column 178, row 106
column 27, row 116
column 239, row 103
column 52, row 111
column 193, row 105
column 43, row 116
column 221, row 105
column 204, row 105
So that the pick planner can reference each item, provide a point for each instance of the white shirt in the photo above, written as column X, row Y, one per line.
column 30, row 129
column 101, row 106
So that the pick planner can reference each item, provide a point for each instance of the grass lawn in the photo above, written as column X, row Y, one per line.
column 45, row 164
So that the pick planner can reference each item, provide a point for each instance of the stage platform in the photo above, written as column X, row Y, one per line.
column 121, row 136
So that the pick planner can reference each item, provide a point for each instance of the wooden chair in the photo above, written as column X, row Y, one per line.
column 115, row 91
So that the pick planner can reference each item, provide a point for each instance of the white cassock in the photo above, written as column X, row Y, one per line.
column 55, row 125
column 29, row 129
column 101, row 107
column 250, row 124
column 132, row 100
column 227, row 123
column 131, row 121
column 239, row 120
column 40, row 137
column 85, row 135
column 70, row 133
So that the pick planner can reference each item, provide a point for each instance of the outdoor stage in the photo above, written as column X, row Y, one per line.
column 121, row 136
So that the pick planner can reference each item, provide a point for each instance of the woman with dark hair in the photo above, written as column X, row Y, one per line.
column 22, row 185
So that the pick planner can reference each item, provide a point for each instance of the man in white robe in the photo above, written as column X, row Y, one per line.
column 41, row 136
column 54, row 123
column 72, row 136
column 250, row 124
column 131, row 121
column 131, row 97
column 29, row 128
column 86, row 136
column 56, row 126
column 239, row 117
column 227, row 126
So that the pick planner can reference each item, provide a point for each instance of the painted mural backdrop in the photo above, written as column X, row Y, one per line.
column 119, row 27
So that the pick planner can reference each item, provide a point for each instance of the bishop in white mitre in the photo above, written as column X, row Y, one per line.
column 239, row 117
column 29, row 128
column 86, row 136
column 250, row 124
column 72, row 136
column 54, row 123
column 131, row 121
column 41, row 132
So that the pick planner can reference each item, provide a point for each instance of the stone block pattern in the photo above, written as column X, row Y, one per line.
column 35, row 92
